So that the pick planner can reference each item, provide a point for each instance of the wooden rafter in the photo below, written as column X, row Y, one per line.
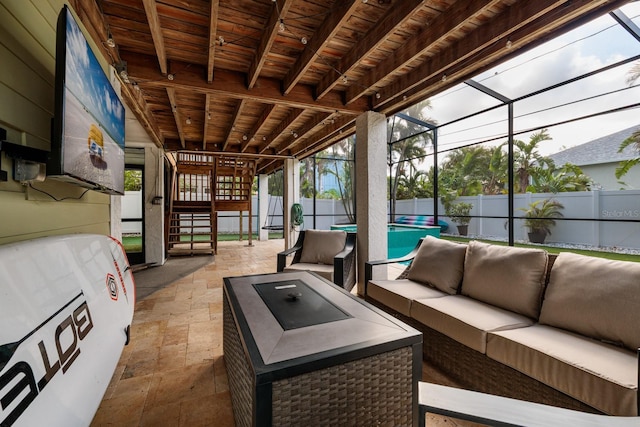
column 512, row 20
column 171, row 93
column 156, row 33
column 232, row 85
column 236, row 116
column 255, row 130
column 282, row 126
column 328, row 29
column 269, row 36
column 368, row 44
column 421, row 43
column 213, row 28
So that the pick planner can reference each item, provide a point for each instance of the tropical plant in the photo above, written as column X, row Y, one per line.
column 407, row 148
column 549, row 179
column 459, row 213
column 634, row 139
column 540, row 216
column 526, row 157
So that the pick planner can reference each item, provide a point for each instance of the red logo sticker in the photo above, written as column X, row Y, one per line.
column 112, row 287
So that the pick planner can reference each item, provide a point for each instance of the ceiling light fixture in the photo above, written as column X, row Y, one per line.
column 303, row 40
column 281, row 25
column 244, row 137
column 170, row 76
column 377, row 95
column 110, row 42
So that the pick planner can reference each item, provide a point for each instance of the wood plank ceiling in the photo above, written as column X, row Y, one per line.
column 273, row 78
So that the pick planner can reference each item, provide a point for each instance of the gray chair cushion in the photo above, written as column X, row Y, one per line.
column 601, row 375
column 465, row 320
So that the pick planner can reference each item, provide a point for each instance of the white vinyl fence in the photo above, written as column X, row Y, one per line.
column 578, row 227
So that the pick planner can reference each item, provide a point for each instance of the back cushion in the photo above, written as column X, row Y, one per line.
column 320, row 246
column 595, row 297
column 439, row 263
column 505, row 276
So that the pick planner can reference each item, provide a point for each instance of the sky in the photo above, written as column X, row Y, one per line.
column 590, row 47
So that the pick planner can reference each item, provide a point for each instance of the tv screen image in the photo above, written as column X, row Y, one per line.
column 88, row 140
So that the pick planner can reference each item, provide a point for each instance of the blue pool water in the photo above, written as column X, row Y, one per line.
column 401, row 239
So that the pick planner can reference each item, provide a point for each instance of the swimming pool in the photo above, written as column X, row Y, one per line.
column 401, row 239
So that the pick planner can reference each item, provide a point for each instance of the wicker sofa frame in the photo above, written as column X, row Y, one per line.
column 470, row 369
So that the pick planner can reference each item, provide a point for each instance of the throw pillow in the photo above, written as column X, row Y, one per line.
column 595, row 297
column 321, row 246
column 439, row 263
column 505, row 276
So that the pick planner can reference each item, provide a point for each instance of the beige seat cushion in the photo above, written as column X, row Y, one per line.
column 601, row 375
column 505, row 276
column 321, row 246
column 595, row 297
column 322, row 270
column 464, row 319
column 439, row 263
column 399, row 294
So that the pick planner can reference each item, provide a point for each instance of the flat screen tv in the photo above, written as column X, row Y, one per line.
column 87, row 143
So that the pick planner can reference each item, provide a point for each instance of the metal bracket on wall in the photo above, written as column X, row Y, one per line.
column 25, row 157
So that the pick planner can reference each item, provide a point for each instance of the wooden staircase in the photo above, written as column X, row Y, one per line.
column 202, row 185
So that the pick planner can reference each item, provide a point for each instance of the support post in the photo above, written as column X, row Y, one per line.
column 371, row 197
column 263, row 206
column 291, row 196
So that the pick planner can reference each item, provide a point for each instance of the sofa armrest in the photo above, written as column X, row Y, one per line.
column 344, row 263
column 368, row 265
column 282, row 256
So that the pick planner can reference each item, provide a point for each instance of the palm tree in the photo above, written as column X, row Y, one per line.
column 526, row 155
column 407, row 153
column 634, row 139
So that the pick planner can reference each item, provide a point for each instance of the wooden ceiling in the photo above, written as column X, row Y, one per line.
column 275, row 78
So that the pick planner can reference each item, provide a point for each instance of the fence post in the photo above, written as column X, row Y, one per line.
column 595, row 196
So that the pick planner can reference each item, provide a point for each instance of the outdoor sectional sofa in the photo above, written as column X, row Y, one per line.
column 560, row 330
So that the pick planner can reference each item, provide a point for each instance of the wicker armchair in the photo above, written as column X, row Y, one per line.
column 328, row 253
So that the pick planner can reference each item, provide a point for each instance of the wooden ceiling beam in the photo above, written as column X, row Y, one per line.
column 156, row 33
column 207, row 115
column 372, row 40
column 522, row 25
column 300, row 132
column 332, row 23
column 282, row 126
column 213, row 29
column 420, row 44
column 237, row 114
column 268, row 37
column 255, row 130
column 171, row 93
column 232, row 85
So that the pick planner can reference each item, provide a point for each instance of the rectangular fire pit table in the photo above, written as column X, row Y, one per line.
column 301, row 351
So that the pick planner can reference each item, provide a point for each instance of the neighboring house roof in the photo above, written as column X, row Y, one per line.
column 598, row 151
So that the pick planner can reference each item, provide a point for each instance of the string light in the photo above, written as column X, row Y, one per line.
column 221, row 40
column 170, row 76
column 509, row 44
column 188, row 120
column 244, row 137
column 444, row 77
column 208, row 116
column 303, row 40
column 377, row 95
column 281, row 25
